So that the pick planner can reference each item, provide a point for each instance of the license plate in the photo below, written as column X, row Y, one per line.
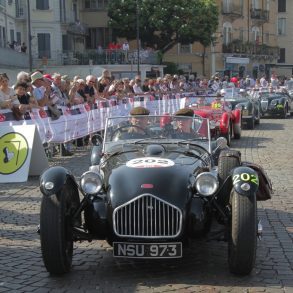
column 147, row 250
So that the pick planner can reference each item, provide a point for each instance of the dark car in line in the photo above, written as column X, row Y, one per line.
column 150, row 190
column 250, row 107
column 274, row 102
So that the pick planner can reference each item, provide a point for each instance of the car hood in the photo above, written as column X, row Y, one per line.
column 167, row 177
column 212, row 114
column 269, row 99
column 235, row 102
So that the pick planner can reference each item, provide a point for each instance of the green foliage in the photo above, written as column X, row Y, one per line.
column 165, row 22
column 171, row 68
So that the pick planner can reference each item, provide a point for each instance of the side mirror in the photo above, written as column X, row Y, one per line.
column 97, row 140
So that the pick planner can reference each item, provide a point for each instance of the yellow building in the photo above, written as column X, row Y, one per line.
column 245, row 41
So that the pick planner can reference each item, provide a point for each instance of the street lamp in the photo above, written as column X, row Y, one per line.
column 137, row 37
column 29, row 36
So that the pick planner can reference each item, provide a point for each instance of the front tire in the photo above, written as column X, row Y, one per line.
column 228, row 160
column 56, row 231
column 284, row 114
column 250, row 123
column 242, row 239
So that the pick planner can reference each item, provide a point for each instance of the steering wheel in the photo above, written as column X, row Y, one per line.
column 120, row 129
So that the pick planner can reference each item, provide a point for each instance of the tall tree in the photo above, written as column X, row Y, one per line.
column 165, row 22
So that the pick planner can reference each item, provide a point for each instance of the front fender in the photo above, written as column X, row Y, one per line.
column 245, row 181
column 58, row 176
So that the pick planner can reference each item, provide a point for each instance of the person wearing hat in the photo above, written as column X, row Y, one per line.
column 138, row 125
column 184, row 121
column 41, row 91
column 139, row 120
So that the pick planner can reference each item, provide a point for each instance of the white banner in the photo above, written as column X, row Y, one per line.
column 79, row 121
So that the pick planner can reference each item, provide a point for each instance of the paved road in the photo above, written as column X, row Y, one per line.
column 203, row 268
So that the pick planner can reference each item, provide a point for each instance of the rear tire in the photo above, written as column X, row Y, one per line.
column 56, row 231
column 242, row 239
column 237, row 129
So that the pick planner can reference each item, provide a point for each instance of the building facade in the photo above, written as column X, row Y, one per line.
column 284, row 65
column 245, row 42
column 70, row 32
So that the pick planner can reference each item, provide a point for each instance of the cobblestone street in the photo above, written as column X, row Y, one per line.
column 204, row 266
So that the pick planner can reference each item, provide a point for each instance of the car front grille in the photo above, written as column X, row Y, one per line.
column 147, row 216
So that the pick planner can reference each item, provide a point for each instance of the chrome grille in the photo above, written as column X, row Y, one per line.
column 147, row 216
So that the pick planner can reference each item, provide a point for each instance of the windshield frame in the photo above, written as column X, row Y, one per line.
column 108, row 144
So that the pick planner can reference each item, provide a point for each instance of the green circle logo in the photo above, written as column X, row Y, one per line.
column 13, row 152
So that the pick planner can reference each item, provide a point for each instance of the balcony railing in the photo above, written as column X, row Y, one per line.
column 232, row 9
column 250, row 49
column 259, row 14
column 93, row 57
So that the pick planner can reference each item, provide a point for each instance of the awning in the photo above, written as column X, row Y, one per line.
column 237, row 60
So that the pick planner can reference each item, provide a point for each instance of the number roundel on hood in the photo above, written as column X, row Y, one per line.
column 150, row 162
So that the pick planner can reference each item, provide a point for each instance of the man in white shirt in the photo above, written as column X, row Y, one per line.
column 137, row 86
column 125, row 48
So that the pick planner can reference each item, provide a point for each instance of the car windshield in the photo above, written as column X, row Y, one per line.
column 165, row 128
column 206, row 102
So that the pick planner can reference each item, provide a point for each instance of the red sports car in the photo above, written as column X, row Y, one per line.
column 223, row 120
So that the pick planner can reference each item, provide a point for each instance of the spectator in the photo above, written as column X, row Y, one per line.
column 24, row 97
column 41, row 90
column 23, row 47
column 105, row 73
column 127, row 87
column 119, row 90
column 57, row 97
column 74, row 97
column 100, row 50
column 125, row 48
column 7, row 94
column 89, row 90
column 23, row 76
column 80, row 89
column 145, row 85
column 263, row 81
column 103, row 87
column 137, row 86
column 17, row 47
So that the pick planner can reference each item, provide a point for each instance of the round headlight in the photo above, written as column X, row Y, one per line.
column 206, row 183
column 91, row 182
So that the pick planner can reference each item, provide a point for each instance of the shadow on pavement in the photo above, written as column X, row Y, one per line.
column 204, row 264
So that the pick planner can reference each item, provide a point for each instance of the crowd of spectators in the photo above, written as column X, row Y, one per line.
column 36, row 89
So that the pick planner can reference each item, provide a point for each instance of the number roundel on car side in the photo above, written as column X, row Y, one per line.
column 150, row 162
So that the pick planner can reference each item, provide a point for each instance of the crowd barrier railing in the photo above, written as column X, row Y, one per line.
column 84, row 119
